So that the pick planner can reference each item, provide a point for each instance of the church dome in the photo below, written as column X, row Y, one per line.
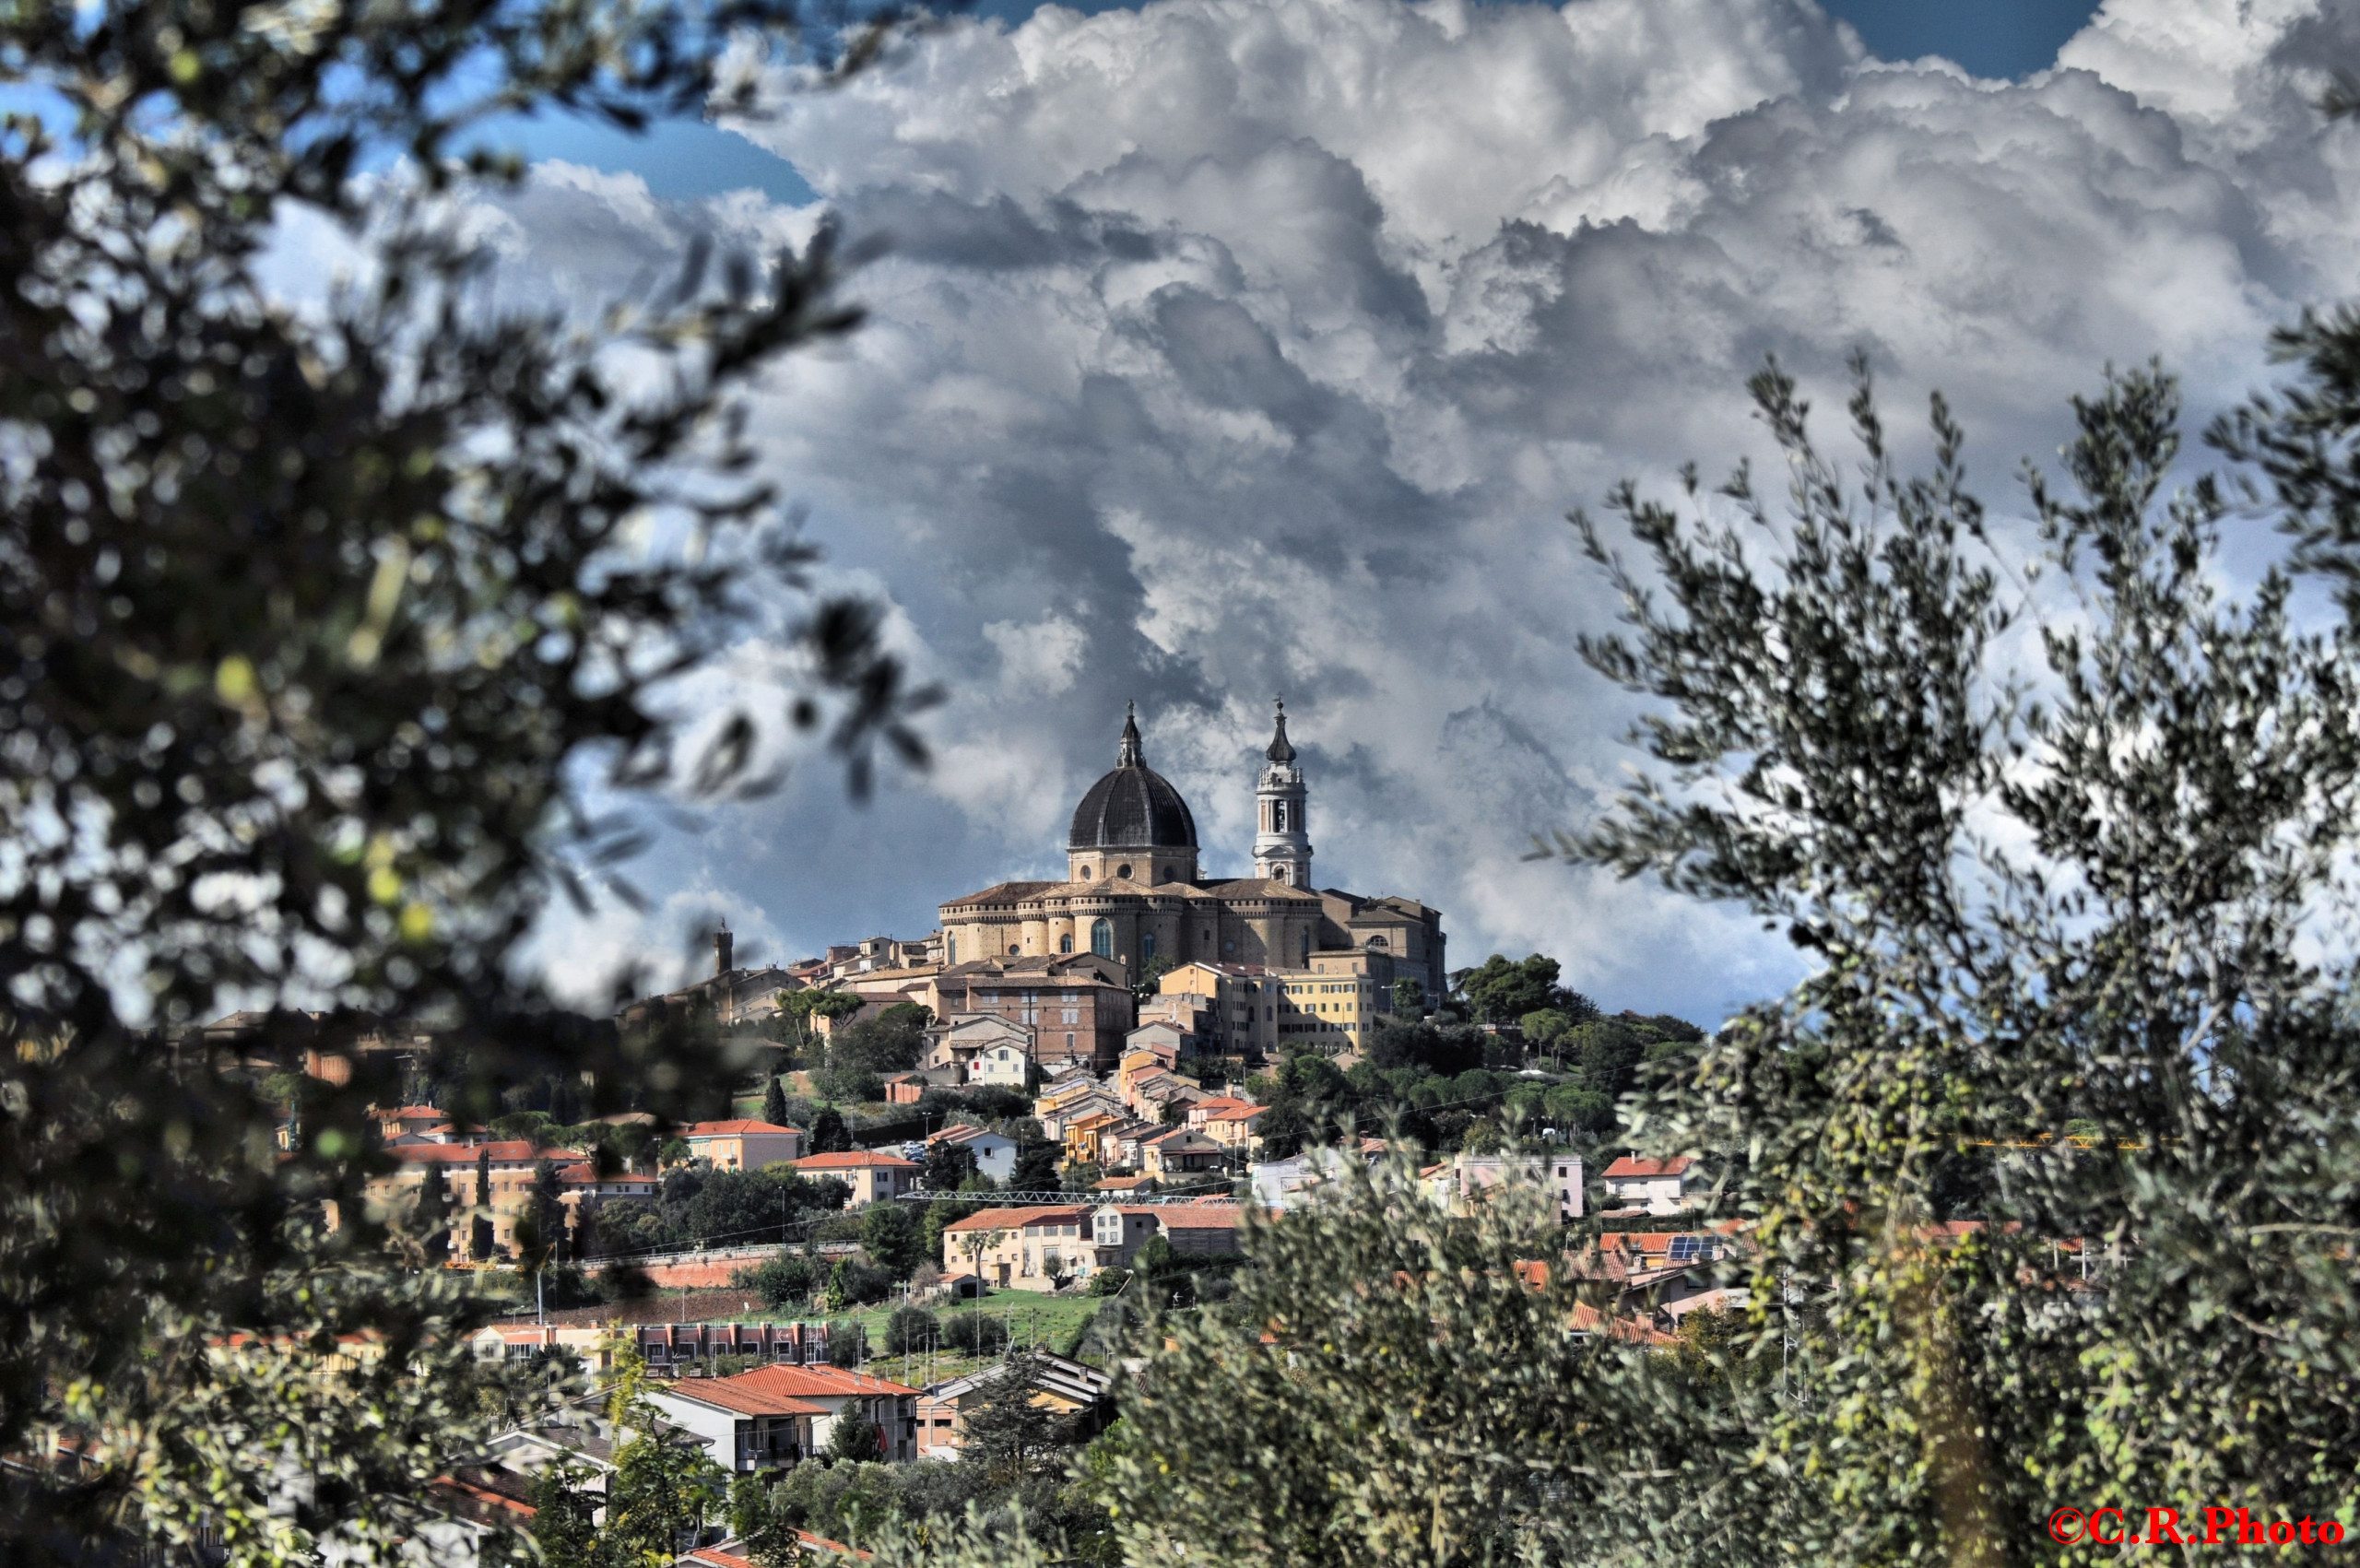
column 1132, row 807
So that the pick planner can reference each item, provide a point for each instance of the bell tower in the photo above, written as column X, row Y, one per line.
column 1282, row 836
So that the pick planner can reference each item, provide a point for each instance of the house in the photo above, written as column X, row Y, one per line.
column 1164, row 1036
column 421, row 1123
column 1068, row 1102
column 871, row 1173
column 995, row 1152
column 1117, row 1231
column 1179, row 1153
column 908, row 1089
column 1068, row 1389
column 1468, row 1179
column 1236, row 1127
column 743, row 1145
column 1022, row 1249
column 1282, row 1185
column 1005, row 1065
column 955, row 1042
column 1660, row 1186
column 1083, row 1136
column 774, row 1416
column 513, row 1166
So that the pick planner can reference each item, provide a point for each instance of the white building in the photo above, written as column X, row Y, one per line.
column 1660, row 1186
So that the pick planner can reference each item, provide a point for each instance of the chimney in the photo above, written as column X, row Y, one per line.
column 721, row 943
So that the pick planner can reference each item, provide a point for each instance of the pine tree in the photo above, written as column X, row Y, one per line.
column 774, row 1103
column 430, row 1221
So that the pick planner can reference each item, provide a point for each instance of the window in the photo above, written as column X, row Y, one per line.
column 950, row 948
column 1085, row 873
column 1101, row 938
column 1278, row 816
column 1123, row 870
column 1065, row 943
column 1147, row 947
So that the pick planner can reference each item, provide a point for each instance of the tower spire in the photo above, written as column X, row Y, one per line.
column 1129, row 755
column 1281, row 748
column 1282, row 841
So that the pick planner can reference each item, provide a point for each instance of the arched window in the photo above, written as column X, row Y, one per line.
column 1278, row 816
column 1278, row 873
column 1377, row 942
column 1101, row 938
column 1065, row 943
column 1147, row 949
column 950, row 950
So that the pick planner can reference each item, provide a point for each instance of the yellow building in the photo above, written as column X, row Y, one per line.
column 1135, row 893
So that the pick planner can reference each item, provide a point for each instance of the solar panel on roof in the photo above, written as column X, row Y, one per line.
column 1689, row 1249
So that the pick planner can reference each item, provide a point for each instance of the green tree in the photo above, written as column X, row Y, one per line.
column 1037, row 1166
column 828, row 1133
column 1503, row 990
column 663, row 1489
column 947, row 1165
column 890, row 1233
column 1004, row 1434
column 564, row 1527
column 430, row 1221
column 910, row 1329
column 853, row 1436
column 1164, row 1275
column 1149, row 981
column 774, row 1103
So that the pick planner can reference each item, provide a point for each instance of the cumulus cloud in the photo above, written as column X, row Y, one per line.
column 1234, row 347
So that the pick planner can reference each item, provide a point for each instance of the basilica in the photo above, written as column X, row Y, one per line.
column 1134, row 892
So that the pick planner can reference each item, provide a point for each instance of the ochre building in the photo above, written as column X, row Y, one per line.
column 1134, row 891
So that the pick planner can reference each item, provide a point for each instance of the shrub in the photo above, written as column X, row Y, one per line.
column 975, row 1333
column 847, row 1343
column 909, row 1330
column 1109, row 1281
column 782, row 1281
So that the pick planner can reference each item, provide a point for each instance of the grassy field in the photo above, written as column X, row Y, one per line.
column 1048, row 1321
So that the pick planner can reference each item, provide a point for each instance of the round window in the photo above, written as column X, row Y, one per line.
column 1123, row 870
column 1085, row 873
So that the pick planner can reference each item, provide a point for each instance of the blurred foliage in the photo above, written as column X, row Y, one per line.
column 323, row 626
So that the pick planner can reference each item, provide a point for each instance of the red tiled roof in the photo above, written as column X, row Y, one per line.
column 731, row 1394
column 810, row 1382
column 732, row 1129
column 1015, row 1219
column 514, row 1152
column 1630, row 1165
column 854, row 1160
column 1197, row 1216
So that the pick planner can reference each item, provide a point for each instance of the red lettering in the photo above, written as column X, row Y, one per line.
column 2160, row 1522
column 2281, row 1532
column 2214, row 1518
column 2330, row 1531
column 2306, row 1527
column 2114, row 1540
column 2251, row 1531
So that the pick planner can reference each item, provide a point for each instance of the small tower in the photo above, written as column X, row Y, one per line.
column 721, row 942
column 1282, row 839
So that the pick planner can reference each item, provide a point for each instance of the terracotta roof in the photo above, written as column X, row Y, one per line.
column 809, row 1382
column 1630, row 1165
column 854, row 1160
column 732, row 1129
column 515, row 1152
column 1015, row 1219
column 1237, row 1113
column 730, row 1394
column 1197, row 1216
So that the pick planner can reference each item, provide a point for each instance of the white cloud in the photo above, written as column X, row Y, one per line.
column 1235, row 347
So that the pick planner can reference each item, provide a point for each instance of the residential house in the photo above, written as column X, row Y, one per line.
column 774, row 1416
column 1468, row 1179
column 1164, row 1036
column 1179, row 1153
column 1237, row 1127
column 743, row 1145
column 506, row 1199
column 1282, row 1185
column 995, row 1152
column 1069, row 1389
column 1237, row 1005
column 872, row 1173
column 1084, row 1136
column 1022, row 1249
column 957, row 1041
column 1005, row 1066
column 1660, row 1186
column 1068, row 1102
column 417, row 1123
column 1117, row 1231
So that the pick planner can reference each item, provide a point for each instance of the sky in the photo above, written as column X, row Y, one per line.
column 1220, row 350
